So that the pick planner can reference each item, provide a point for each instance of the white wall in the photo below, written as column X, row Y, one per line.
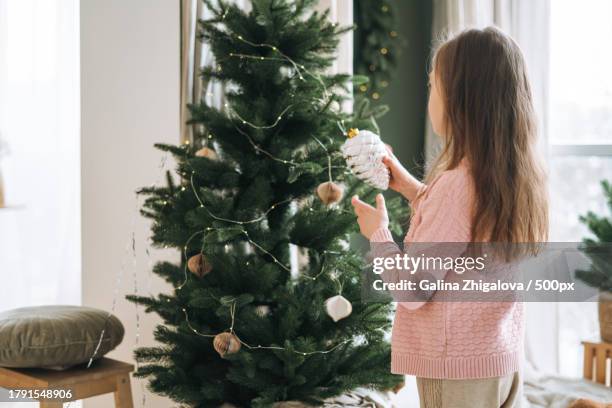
column 129, row 100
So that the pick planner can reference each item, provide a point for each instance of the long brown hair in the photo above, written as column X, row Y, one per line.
column 490, row 121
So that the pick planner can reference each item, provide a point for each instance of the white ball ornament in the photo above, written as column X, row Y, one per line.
column 363, row 152
column 338, row 307
column 262, row 310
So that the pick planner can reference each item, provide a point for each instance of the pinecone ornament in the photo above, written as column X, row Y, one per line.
column 363, row 152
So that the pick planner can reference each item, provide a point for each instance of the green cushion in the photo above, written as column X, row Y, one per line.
column 56, row 336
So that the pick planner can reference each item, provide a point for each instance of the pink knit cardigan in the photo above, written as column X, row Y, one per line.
column 451, row 340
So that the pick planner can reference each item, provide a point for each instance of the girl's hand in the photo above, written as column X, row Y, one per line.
column 401, row 180
column 369, row 218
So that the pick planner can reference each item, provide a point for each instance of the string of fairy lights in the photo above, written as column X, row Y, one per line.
column 270, row 126
column 261, row 150
column 378, row 45
column 259, row 346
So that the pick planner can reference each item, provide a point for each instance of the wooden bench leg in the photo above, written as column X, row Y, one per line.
column 123, row 392
column 589, row 356
column 600, row 364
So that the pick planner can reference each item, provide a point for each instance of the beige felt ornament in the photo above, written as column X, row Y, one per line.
column 226, row 343
column 199, row 265
column 363, row 152
column 330, row 192
column 338, row 307
column 208, row 153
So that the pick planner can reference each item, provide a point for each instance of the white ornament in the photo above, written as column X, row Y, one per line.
column 363, row 152
column 262, row 310
column 338, row 307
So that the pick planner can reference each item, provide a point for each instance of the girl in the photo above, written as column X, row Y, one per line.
column 485, row 186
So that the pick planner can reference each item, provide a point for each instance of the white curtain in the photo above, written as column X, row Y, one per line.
column 39, row 122
column 194, row 56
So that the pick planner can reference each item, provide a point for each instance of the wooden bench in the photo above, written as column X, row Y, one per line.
column 104, row 376
column 596, row 362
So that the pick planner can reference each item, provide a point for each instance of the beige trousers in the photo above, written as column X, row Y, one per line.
column 497, row 392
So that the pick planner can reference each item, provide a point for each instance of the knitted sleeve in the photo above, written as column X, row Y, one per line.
column 442, row 214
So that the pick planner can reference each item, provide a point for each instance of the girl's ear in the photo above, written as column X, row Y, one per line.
column 436, row 109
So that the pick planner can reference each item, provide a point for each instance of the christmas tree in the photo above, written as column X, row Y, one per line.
column 243, row 326
column 598, row 248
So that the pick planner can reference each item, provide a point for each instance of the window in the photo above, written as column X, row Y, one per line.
column 580, row 143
